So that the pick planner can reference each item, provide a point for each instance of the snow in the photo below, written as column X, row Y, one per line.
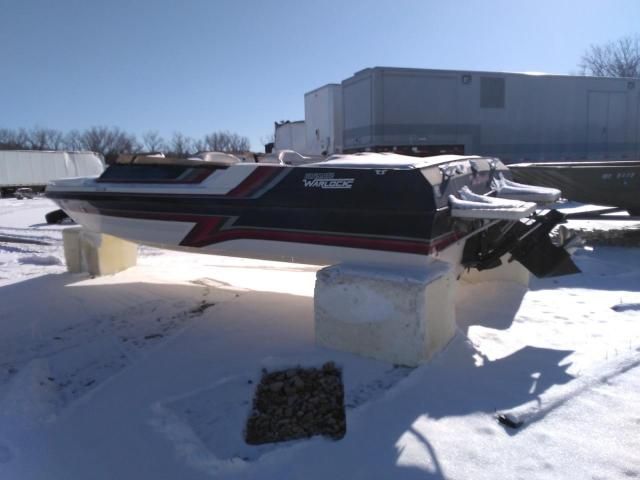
column 601, row 224
column 145, row 374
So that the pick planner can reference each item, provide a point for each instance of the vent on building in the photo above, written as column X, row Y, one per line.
column 492, row 92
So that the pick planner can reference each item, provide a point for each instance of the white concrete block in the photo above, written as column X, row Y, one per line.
column 96, row 253
column 507, row 272
column 72, row 249
column 105, row 254
column 403, row 316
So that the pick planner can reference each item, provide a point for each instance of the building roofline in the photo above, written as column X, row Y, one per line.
column 288, row 122
column 322, row 87
column 486, row 72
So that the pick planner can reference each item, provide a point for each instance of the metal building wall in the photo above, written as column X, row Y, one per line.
column 290, row 136
column 514, row 116
column 323, row 120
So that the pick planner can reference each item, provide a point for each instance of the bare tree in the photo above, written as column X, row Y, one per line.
column 238, row 143
column 9, row 140
column 110, row 142
column 614, row 59
column 45, row 139
column 153, row 142
column 199, row 145
column 180, row 145
column 226, row 142
column 73, row 140
column 213, row 142
column 38, row 139
column 14, row 139
column 96, row 139
column 6, row 138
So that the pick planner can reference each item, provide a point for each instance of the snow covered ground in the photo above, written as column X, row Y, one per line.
column 149, row 373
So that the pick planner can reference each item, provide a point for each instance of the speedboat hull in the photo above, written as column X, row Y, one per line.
column 375, row 209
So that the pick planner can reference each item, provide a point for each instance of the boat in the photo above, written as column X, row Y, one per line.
column 371, row 208
column 608, row 183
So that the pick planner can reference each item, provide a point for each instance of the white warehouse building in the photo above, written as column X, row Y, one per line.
column 515, row 116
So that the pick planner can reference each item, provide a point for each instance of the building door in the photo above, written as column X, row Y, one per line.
column 617, row 122
column 606, row 124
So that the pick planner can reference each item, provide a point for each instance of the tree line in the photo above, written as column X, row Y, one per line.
column 112, row 141
column 619, row 58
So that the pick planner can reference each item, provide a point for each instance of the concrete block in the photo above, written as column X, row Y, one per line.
column 96, row 253
column 507, row 272
column 72, row 249
column 403, row 316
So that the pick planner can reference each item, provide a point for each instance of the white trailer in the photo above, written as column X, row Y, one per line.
column 320, row 133
column 290, row 136
column 34, row 168
column 517, row 117
column 323, row 120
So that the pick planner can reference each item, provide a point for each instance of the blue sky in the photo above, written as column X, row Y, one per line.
column 198, row 66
